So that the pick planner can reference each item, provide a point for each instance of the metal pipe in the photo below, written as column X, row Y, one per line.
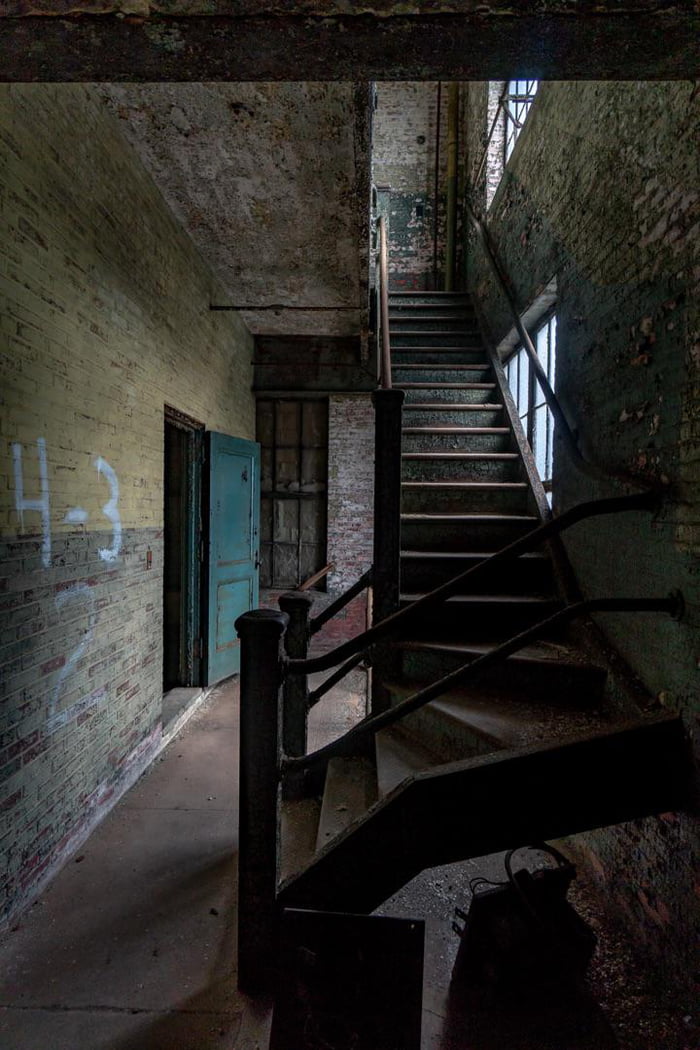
column 452, row 138
column 372, row 724
column 648, row 501
column 562, row 423
column 436, row 192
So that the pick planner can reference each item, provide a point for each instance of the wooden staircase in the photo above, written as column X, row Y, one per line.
column 532, row 749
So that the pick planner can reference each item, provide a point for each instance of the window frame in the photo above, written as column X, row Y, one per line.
column 521, row 94
column 527, row 393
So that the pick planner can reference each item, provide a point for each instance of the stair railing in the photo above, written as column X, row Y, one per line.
column 301, row 626
column 372, row 724
column 388, row 404
column 564, row 430
column 265, row 761
column 644, row 501
column 385, row 369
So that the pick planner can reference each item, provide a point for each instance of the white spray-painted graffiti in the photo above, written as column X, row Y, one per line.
column 41, row 504
column 78, row 591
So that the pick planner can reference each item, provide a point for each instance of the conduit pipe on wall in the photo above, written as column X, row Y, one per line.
column 452, row 139
column 436, row 194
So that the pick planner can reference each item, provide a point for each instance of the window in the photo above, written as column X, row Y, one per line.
column 533, row 410
column 517, row 100
column 293, row 434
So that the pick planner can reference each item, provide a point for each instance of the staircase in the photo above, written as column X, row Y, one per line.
column 529, row 750
column 532, row 750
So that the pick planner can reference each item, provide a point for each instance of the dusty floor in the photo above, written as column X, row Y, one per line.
column 133, row 945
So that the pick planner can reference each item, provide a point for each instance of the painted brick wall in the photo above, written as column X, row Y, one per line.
column 602, row 192
column 104, row 320
column 403, row 158
column 350, row 488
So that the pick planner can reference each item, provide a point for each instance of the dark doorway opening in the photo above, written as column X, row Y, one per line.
column 182, row 528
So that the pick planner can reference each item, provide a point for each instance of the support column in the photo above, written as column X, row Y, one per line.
column 261, row 633
column 297, row 606
column 387, row 525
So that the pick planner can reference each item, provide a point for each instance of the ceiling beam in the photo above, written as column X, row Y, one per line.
column 564, row 40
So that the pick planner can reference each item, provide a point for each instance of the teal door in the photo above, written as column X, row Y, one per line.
column 233, row 507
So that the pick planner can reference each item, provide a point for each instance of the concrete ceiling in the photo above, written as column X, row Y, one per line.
column 341, row 40
column 272, row 182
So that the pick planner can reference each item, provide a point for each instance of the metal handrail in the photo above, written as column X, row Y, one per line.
column 563, row 429
column 385, row 374
column 673, row 605
column 648, row 501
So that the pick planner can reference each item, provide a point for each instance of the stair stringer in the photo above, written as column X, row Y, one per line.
column 496, row 802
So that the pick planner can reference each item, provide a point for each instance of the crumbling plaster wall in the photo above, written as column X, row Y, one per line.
column 602, row 193
column 105, row 319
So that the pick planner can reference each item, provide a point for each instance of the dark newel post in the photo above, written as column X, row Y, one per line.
column 297, row 606
column 261, row 633
column 387, row 524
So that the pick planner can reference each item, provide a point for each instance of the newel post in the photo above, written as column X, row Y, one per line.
column 261, row 633
column 387, row 522
column 297, row 606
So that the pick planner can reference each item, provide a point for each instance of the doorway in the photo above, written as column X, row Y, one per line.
column 182, row 537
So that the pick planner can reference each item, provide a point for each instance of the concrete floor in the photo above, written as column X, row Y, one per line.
column 133, row 945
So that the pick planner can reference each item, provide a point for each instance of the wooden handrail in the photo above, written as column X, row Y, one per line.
column 648, row 501
column 307, row 584
column 331, row 610
column 673, row 605
column 385, row 375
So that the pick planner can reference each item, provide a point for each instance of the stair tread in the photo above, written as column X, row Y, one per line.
column 469, row 555
column 480, row 518
column 451, row 406
column 460, row 455
column 481, row 485
column 473, row 348
column 299, row 829
column 455, row 430
column 510, row 723
column 491, row 599
column 399, row 757
column 444, row 386
column 471, row 366
column 351, row 788
column 540, row 653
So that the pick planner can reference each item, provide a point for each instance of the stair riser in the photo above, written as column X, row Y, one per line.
column 561, row 685
column 436, row 356
column 483, row 620
column 454, row 536
column 444, row 395
column 435, row 300
column 453, row 314
column 435, row 374
column 449, row 738
column 462, row 331
column 453, row 417
column 419, row 575
column 434, row 441
column 434, row 337
column 470, row 501
column 460, row 470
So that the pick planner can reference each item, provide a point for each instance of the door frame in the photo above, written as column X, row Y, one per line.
column 191, row 560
